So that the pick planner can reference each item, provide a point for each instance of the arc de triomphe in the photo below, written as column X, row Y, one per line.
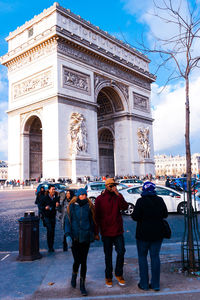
column 79, row 101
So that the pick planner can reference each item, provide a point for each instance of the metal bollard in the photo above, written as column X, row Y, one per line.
column 29, row 237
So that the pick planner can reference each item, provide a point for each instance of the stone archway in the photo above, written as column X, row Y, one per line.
column 110, row 107
column 106, row 153
column 33, row 147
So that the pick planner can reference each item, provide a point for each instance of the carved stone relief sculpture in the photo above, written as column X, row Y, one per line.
column 140, row 102
column 76, row 80
column 143, row 142
column 78, row 133
column 32, row 84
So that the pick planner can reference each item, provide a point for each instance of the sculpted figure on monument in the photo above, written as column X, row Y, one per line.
column 143, row 142
column 78, row 133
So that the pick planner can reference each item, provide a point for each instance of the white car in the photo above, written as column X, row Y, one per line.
column 130, row 182
column 174, row 200
column 95, row 188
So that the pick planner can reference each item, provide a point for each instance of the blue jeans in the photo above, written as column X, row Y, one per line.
column 154, row 249
column 118, row 242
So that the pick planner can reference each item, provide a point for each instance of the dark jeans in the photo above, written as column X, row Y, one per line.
column 50, row 225
column 80, row 252
column 154, row 249
column 118, row 242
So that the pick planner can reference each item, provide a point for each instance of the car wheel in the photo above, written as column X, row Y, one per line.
column 130, row 209
column 92, row 199
column 182, row 208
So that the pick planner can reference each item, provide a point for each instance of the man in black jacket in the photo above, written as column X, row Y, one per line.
column 49, row 205
column 149, row 213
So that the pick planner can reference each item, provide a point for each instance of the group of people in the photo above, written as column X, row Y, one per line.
column 82, row 222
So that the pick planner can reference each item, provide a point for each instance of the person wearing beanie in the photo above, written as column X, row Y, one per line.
column 149, row 212
column 108, row 207
column 80, row 231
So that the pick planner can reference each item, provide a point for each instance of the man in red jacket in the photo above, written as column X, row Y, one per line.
column 108, row 208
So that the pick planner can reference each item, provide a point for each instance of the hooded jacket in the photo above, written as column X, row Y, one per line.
column 79, row 224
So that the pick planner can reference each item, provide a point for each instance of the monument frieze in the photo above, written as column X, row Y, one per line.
column 99, row 63
column 76, row 81
column 32, row 84
column 140, row 102
column 33, row 55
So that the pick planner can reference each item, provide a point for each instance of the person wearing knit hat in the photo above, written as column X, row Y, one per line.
column 80, row 231
column 149, row 212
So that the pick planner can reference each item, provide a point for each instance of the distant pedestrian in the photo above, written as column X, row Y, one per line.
column 167, row 182
column 49, row 207
column 149, row 212
column 38, row 201
column 108, row 207
column 80, row 232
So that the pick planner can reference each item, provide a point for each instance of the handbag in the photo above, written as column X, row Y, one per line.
column 166, row 230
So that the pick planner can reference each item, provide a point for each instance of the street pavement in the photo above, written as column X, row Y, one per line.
column 49, row 277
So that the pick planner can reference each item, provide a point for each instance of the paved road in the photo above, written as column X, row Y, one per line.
column 13, row 204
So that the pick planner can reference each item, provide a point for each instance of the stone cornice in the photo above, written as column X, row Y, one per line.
column 79, row 20
column 28, row 48
column 126, row 115
column 82, row 32
column 32, row 106
column 63, row 34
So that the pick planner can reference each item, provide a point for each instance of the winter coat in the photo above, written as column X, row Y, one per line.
column 47, row 201
column 149, row 212
column 108, row 216
column 79, row 224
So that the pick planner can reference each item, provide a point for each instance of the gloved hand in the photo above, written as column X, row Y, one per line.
column 69, row 241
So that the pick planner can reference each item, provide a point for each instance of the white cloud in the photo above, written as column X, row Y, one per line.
column 169, row 114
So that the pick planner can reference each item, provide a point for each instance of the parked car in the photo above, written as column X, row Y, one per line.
column 59, row 187
column 174, row 200
column 95, row 188
column 130, row 181
column 180, row 184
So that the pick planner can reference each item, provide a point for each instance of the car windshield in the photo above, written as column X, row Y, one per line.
column 98, row 187
column 60, row 186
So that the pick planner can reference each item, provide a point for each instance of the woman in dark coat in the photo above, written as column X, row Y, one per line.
column 38, row 201
column 80, row 232
column 149, row 213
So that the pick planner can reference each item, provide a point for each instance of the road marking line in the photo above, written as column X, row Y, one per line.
column 5, row 257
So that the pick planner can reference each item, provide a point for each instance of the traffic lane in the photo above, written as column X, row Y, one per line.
column 17, row 195
column 9, row 230
column 14, row 204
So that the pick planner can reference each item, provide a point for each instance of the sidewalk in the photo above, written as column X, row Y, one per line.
column 49, row 277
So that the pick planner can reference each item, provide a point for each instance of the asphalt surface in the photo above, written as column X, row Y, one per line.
column 13, row 204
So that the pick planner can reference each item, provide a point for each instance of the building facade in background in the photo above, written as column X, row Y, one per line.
column 79, row 101
column 3, row 171
column 176, row 165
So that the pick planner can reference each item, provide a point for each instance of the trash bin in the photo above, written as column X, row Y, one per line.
column 29, row 237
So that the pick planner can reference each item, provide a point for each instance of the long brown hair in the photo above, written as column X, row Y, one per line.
column 91, row 205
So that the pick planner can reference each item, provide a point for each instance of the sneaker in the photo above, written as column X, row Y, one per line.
column 108, row 282
column 120, row 280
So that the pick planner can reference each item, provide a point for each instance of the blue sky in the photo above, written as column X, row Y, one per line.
column 127, row 20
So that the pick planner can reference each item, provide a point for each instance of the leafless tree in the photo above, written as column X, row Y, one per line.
column 177, row 50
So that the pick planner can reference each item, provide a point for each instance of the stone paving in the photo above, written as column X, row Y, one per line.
column 49, row 277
